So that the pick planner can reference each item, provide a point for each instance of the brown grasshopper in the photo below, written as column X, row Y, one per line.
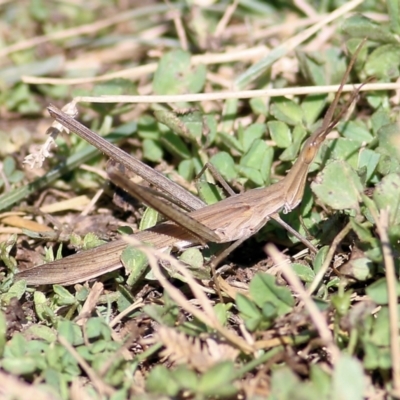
column 233, row 219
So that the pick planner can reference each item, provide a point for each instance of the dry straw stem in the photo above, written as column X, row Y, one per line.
column 241, row 94
column 207, row 316
column 315, row 315
column 382, row 224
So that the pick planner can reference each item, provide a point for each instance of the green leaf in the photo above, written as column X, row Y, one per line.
column 284, row 384
column 290, row 153
column 356, row 131
column 250, row 134
column 222, row 312
column 135, row 262
column 384, row 62
column 43, row 332
column 19, row 366
column 389, row 141
column 42, row 309
column 341, row 302
column 338, row 186
column 71, row 332
column 286, row 111
column 209, row 192
column 97, row 327
column 362, row 231
column 250, row 313
column 159, row 381
column 231, row 142
column 186, row 169
column 8, row 166
column 344, row 149
column 152, row 150
column 376, row 357
column 280, row 133
column 176, row 75
column 263, row 288
column 320, row 258
column 380, row 332
column 148, row 128
column 369, row 159
column 91, row 240
column 304, row 272
column 225, row 165
column 252, row 174
column 247, row 306
column 259, row 106
column 387, row 195
column 149, row 219
column 63, row 296
column 317, row 66
column 394, row 15
column 321, row 379
column 16, row 290
column 360, row 269
column 217, row 381
column 379, row 119
column 185, row 378
column 360, row 27
column 348, row 379
column 175, row 145
column 16, row 176
column 312, row 106
column 377, row 291
column 256, row 158
column 193, row 257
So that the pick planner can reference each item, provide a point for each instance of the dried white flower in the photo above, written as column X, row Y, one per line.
column 36, row 159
